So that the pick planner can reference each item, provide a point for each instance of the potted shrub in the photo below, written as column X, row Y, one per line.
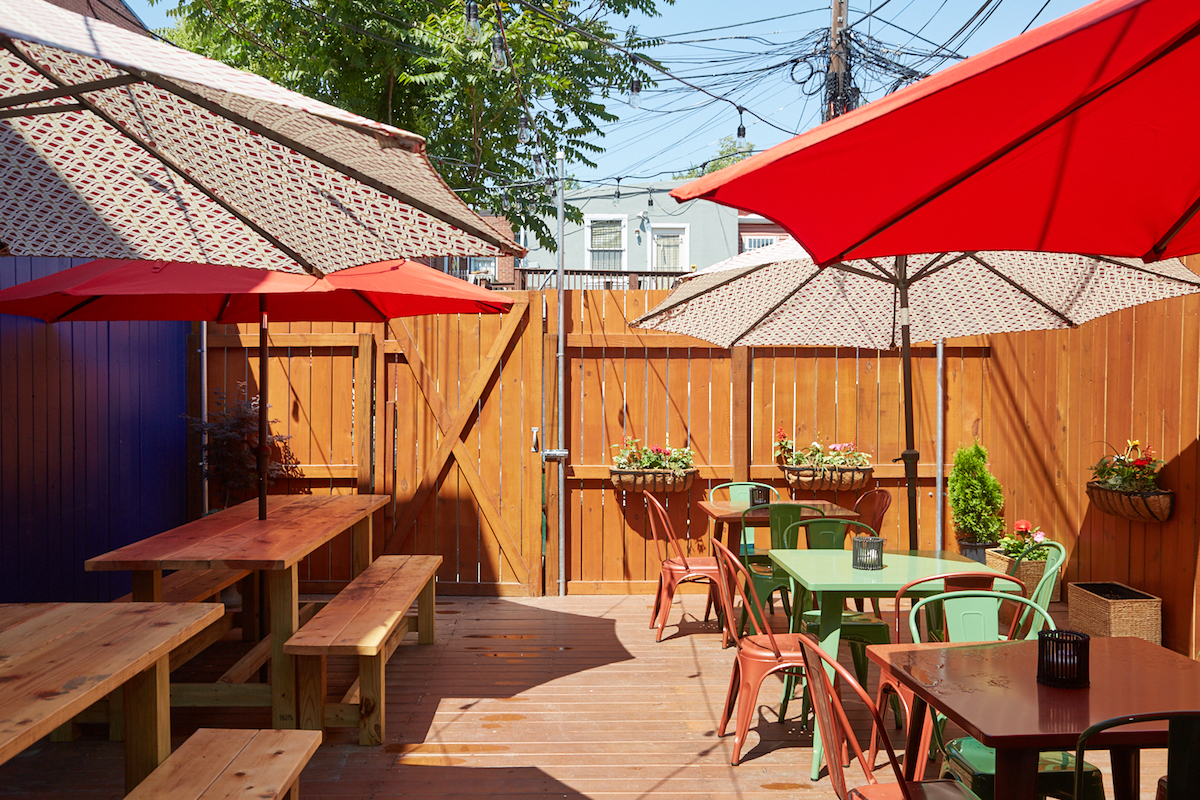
column 1033, row 566
column 654, row 468
column 975, row 502
column 1126, row 485
column 822, row 467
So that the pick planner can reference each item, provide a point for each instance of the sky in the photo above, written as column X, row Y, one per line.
column 735, row 50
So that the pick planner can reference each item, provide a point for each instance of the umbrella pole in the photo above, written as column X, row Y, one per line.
column 263, row 451
column 910, row 454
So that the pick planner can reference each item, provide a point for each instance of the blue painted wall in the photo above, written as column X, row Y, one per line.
column 92, row 444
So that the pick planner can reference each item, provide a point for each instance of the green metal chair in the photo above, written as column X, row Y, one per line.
column 1180, row 749
column 768, row 579
column 739, row 492
column 974, row 616
column 1055, row 558
column 858, row 629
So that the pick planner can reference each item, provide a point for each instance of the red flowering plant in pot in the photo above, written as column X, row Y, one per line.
column 1125, row 484
column 822, row 467
column 1023, row 536
column 654, row 468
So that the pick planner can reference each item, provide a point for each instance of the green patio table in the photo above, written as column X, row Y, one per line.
column 829, row 576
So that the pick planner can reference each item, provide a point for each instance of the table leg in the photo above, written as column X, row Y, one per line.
column 831, row 604
column 914, row 753
column 361, row 543
column 147, row 585
column 426, row 612
column 1126, row 772
column 1016, row 773
column 284, row 597
column 147, row 721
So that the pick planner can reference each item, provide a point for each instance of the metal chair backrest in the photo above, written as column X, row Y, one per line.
column 1178, row 749
column 956, row 582
column 738, row 579
column 783, row 517
column 825, row 533
column 664, row 534
column 1055, row 559
column 872, row 505
column 833, row 722
column 974, row 615
column 739, row 491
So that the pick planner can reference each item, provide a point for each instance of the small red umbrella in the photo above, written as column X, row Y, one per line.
column 1076, row 137
column 115, row 289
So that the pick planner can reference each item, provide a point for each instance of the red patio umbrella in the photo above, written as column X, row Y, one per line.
column 114, row 289
column 1077, row 137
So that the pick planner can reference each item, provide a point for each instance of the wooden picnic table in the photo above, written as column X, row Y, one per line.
column 728, row 514
column 57, row 659
column 296, row 525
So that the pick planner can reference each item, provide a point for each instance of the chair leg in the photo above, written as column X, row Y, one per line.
column 668, row 597
column 730, row 697
column 748, row 691
column 657, row 603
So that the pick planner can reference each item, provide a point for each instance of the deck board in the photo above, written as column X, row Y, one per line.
column 526, row 698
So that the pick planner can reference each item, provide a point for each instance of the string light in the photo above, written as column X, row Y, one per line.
column 471, row 23
column 649, row 199
column 741, row 125
column 523, row 129
column 539, row 168
column 617, row 193
column 499, row 59
column 635, row 93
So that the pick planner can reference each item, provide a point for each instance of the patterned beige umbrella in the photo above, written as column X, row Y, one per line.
column 113, row 145
column 776, row 297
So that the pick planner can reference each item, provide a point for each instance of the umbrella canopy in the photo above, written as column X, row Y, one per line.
column 1047, row 142
column 777, row 296
column 148, row 290
column 113, row 145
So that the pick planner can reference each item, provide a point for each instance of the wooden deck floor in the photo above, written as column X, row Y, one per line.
column 547, row 697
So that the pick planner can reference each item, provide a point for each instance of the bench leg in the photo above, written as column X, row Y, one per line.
column 294, row 792
column 148, row 721
column 425, row 613
column 310, row 692
column 371, row 698
column 116, row 714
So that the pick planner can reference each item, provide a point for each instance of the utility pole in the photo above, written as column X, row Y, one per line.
column 840, row 94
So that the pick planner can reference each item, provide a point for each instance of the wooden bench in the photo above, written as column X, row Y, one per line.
column 218, row 764
column 367, row 619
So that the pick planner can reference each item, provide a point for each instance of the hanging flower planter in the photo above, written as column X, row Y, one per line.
column 821, row 479
column 653, row 480
column 1153, row 506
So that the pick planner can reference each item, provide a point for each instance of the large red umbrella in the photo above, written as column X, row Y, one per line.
column 1078, row 136
column 113, row 289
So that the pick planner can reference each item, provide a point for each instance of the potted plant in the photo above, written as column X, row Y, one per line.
column 975, row 502
column 654, row 468
column 822, row 467
column 1126, row 485
column 1033, row 566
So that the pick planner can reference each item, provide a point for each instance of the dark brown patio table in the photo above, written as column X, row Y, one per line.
column 235, row 538
column 56, row 659
column 990, row 690
column 725, row 512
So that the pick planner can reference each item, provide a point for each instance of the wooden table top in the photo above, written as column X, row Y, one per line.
column 56, row 659
column 991, row 691
column 831, row 571
column 235, row 538
column 728, row 511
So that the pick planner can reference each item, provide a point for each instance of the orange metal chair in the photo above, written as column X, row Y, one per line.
column 758, row 655
column 679, row 568
column 954, row 582
column 870, row 507
column 835, row 728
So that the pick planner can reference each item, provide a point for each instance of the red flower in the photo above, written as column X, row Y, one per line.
column 1023, row 526
column 1141, row 462
column 780, row 435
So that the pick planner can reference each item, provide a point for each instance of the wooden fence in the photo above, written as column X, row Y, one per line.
column 449, row 433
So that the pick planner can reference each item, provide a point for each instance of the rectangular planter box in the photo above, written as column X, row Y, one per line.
column 1114, row 609
column 1030, row 572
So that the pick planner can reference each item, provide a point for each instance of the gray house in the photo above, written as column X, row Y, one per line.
column 641, row 239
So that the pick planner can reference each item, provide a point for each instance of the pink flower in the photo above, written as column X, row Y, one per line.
column 1023, row 526
column 1039, row 537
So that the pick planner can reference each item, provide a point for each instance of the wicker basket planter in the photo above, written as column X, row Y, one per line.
column 1141, row 506
column 828, row 478
column 1030, row 572
column 653, row 480
column 1114, row 609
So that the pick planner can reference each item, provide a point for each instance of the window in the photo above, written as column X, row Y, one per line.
column 668, row 251
column 604, row 238
column 754, row 241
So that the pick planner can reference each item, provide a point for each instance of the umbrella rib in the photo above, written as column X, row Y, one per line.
column 1161, row 245
column 1037, row 130
column 224, row 305
column 737, row 276
column 1070, row 323
column 167, row 162
column 315, row 155
column 775, row 308
column 1146, row 270
column 76, row 307
column 10, row 113
column 67, row 91
column 934, row 266
column 862, row 273
column 370, row 304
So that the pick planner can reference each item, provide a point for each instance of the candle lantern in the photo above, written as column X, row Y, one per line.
column 759, row 495
column 1063, row 659
column 867, row 552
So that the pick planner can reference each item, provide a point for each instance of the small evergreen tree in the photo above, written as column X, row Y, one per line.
column 975, row 496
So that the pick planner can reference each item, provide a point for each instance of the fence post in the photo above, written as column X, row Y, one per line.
column 742, row 392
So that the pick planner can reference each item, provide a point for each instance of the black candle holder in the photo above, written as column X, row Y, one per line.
column 759, row 495
column 867, row 552
column 1063, row 659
